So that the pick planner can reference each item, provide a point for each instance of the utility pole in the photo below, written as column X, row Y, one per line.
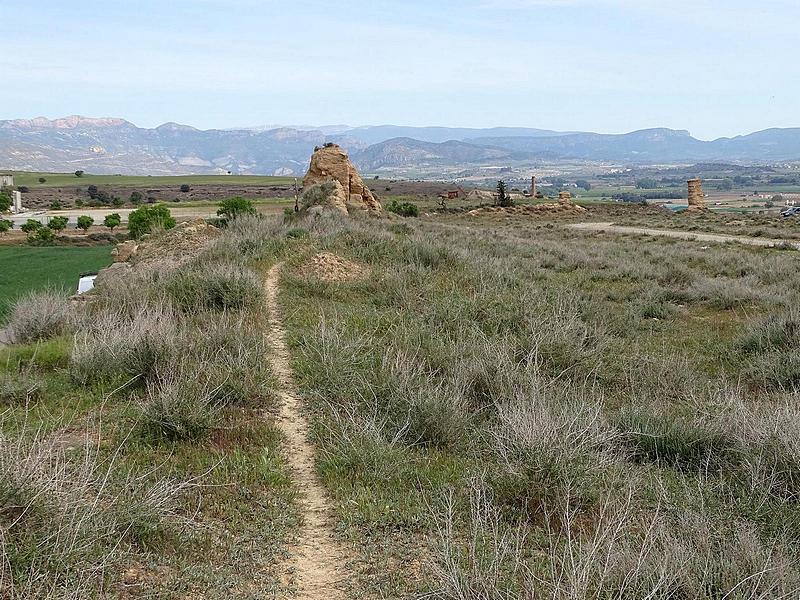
column 296, row 197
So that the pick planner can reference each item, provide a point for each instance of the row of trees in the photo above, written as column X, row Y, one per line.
column 141, row 221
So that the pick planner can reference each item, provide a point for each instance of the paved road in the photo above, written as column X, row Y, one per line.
column 717, row 238
column 98, row 214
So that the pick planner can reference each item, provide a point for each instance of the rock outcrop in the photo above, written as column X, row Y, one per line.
column 331, row 164
column 697, row 199
column 161, row 253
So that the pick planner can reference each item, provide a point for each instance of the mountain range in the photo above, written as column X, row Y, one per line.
column 110, row 145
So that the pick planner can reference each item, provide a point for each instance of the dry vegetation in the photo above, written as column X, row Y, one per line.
column 505, row 411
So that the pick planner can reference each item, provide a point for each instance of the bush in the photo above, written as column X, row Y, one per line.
column 232, row 208
column 68, row 519
column 23, row 189
column 185, row 188
column 179, row 407
column 6, row 225
column 41, row 315
column 113, row 220
column 146, row 218
column 30, row 226
column 43, row 236
column 85, row 222
column 316, row 195
column 5, row 201
column 124, row 338
column 58, row 223
column 404, row 209
column 56, row 205
column 42, row 180
column 214, row 287
column 79, row 173
column 136, row 197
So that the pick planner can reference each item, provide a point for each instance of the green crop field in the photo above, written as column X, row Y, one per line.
column 25, row 268
column 56, row 180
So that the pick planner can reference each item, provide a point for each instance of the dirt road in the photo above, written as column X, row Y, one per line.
column 317, row 560
column 698, row 236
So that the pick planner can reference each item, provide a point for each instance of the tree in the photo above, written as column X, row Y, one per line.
column 726, row 185
column 84, row 222
column 5, row 202
column 56, row 205
column 30, row 226
column 44, row 236
column 58, row 223
column 136, row 197
column 582, row 183
column 503, row 199
column 144, row 219
column 112, row 220
column 79, row 173
column 232, row 208
column 185, row 188
column 6, row 225
column 646, row 184
column 42, row 180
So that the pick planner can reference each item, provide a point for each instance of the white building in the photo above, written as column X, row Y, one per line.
column 6, row 180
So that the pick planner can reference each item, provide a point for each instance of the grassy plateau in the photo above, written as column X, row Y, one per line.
column 502, row 408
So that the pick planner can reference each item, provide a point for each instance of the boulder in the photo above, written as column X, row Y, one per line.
column 331, row 164
column 125, row 251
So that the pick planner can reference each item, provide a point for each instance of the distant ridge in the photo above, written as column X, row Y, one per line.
column 113, row 145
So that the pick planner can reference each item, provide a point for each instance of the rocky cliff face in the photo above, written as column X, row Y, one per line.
column 330, row 164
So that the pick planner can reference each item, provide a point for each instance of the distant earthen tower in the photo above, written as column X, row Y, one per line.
column 533, row 186
column 697, row 199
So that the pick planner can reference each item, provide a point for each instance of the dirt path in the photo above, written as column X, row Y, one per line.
column 686, row 235
column 317, row 566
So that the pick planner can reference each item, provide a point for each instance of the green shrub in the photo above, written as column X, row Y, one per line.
column 6, row 225
column 179, row 407
column 233, row 208
column 675, row 441
column 404, row 209
column 85, row 222
column 214, row 287
column 30, row 226
column 44, row 236
column 113, row 220
column 145, row 219
column 58, row 223
column 316, row 195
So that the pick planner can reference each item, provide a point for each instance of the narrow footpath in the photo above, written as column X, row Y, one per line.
column 316, row 568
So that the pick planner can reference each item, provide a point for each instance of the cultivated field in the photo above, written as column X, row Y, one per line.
column 24, row 269
column 497, row 407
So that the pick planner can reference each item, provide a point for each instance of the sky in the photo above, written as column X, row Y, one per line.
column 714, row 67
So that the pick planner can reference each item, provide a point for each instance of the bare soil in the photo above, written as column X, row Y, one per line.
column 316, row 568
column 332, row 268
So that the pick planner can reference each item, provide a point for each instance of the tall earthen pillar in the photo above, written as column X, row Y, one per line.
column 697, row 199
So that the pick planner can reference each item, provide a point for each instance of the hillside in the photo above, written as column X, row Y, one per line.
column 112, row 146
column 407, row 152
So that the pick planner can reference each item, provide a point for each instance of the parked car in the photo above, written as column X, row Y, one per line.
column 792, row 211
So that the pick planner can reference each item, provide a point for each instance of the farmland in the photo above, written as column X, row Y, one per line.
column 24, row 269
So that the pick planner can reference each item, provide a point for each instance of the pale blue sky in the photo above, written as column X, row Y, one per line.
column 715, row 67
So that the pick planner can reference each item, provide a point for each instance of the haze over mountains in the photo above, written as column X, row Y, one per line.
column 109, row 145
